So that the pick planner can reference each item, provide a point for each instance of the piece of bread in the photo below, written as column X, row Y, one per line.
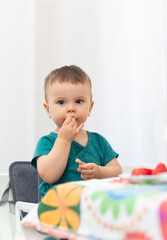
column 79, row 161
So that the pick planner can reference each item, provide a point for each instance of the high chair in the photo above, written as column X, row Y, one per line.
column 24, row 181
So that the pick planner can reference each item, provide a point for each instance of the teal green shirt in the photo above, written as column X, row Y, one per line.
column 97, row 150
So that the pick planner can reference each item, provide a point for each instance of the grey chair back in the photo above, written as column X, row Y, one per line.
column 24, row 181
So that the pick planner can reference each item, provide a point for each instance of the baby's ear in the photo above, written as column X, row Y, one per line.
column 46, row 106
column 91, row 106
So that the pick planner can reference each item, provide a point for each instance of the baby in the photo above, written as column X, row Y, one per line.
column 68, row 102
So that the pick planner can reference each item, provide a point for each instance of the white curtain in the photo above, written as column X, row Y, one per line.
column 121, row 44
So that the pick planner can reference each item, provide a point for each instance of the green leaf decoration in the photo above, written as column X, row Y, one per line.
column 104, row 205
column 115, row 209
column 130, row 203
column 97, row 194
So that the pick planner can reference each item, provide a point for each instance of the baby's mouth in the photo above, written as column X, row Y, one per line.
column 73, row 117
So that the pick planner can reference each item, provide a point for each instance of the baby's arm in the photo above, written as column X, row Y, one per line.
column 92, row 170
column 51, row 166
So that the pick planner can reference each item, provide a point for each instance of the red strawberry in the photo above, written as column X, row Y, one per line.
column 142, row 171
column 160, row 168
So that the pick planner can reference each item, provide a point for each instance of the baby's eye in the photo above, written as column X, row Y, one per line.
column 61, row 102
column 79, row 101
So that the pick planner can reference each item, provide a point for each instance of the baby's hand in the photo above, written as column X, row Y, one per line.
column 69, row 129
column 89, row 171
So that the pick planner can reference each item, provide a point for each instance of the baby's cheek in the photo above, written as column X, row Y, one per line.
column 83, row 116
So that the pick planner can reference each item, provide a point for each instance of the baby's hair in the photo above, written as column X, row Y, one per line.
column 66, row 74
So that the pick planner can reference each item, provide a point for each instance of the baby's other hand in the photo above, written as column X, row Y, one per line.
column 89, row 171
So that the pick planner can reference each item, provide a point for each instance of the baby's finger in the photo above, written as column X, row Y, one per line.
column 85, row 177
column 85, row 166
column 80, row 127
column 73, row 122
column 82, row 177
column 86, row 172
column 67, row 120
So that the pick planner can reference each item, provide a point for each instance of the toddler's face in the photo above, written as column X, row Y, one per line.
column 67, row 99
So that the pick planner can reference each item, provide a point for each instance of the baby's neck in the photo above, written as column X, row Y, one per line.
column 82, row 138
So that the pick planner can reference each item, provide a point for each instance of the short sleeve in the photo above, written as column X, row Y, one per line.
column 108, row 152
column 43, row 147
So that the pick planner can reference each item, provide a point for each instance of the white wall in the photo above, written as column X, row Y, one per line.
column 131, row 44
column 17, row 79
column 120, row 44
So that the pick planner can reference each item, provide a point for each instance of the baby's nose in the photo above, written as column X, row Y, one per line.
column 71, row 108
